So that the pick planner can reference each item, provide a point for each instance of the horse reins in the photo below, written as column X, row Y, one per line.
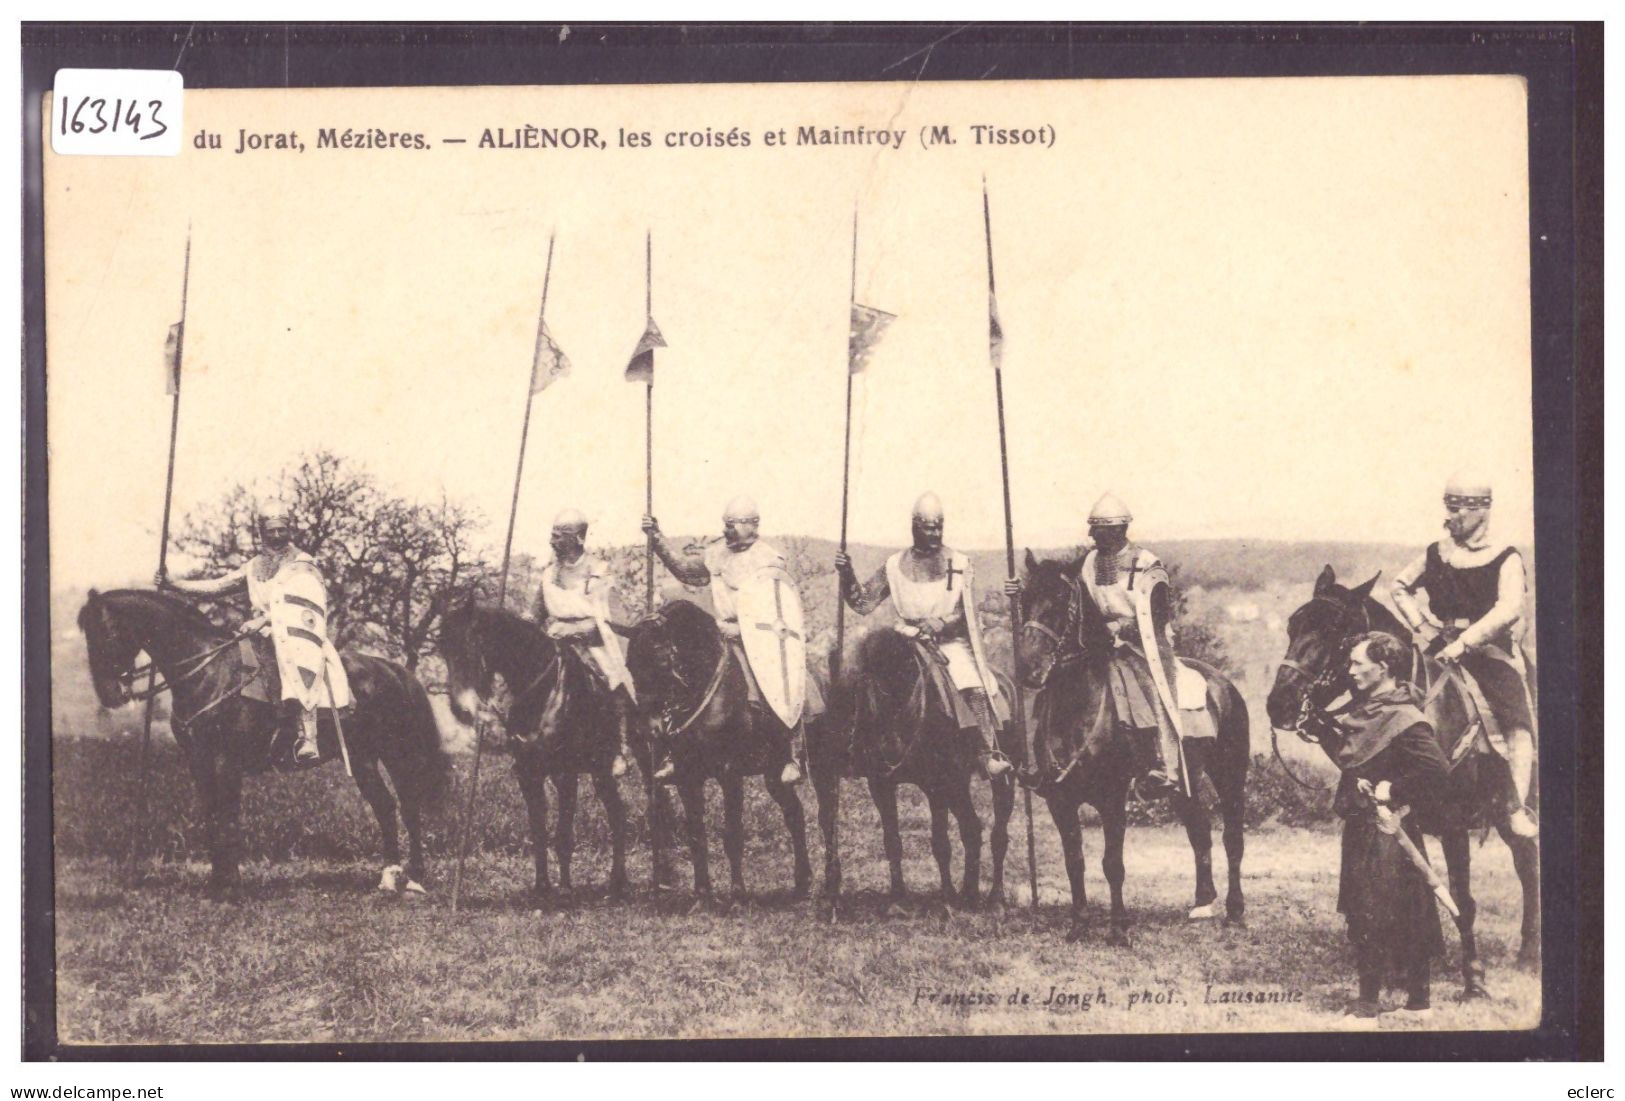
column 1318, row 681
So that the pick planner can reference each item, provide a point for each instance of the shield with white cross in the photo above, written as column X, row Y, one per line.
column 775, row 640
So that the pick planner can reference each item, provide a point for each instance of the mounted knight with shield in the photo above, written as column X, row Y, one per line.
column 1129, row 585
column 289, row 627
column 758, row 611
column 574, row 606
column 933, row 591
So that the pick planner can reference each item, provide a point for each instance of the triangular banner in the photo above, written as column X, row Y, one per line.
column 551, row 363
column 641, row 367
column 868, row 326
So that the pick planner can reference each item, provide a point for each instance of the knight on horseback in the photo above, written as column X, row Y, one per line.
column 1473, row 618
column 934, row 595
column 1129, row 585
column 725, row 565
column 573, row 605
column 289, row 601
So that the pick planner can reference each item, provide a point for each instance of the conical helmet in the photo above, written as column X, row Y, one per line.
column 1109, row 512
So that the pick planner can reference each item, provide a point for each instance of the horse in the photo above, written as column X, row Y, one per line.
column 1084, row 756
column 226, row 736
column 1314, row 672
column 888, row 727
column 561, row 723
column 697, row 700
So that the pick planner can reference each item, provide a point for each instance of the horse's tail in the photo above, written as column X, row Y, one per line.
column 433, row 764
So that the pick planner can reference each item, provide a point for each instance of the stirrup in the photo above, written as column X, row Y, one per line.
column 995, row 764
column 617, row 767
column 1155, row 784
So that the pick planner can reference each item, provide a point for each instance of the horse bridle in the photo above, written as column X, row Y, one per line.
column 1059, row 656
column 1322, row 679
column 198, row 662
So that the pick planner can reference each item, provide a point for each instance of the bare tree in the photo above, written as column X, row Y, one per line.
column 393, row 567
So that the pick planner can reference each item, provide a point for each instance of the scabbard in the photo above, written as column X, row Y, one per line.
column 1440, row 888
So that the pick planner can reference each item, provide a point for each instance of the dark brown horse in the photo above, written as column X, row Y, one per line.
column 887, row 727
column 226, row 736
column 694, row 695
column 1084, row 756
column 1314, row 673
column 560, row 724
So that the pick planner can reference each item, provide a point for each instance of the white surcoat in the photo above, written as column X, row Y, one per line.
column 580, row 595
column 942, row 598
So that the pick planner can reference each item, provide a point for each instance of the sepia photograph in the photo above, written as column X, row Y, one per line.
column 908, row 556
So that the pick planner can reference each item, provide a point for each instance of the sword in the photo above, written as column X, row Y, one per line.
column 1385, row 816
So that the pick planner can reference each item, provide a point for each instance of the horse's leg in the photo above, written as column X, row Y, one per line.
column 1233, row 806
column 200, row 761
column 1004, row 801
column 795, row 819
column 891, row 837
column 1458, row 860
column 609, row 793
column 378, row 797
column 533, row 786
column 1199, row 829
column 1114, row 825
column 659, row 812
column 692, row 792
column 963, row 808
column 733, row 832
column 228, row 786
column 410, row 794
column 827, row 788
column 567, row 786
column 940, row 848
column 1526, row 860
column 1065, row 814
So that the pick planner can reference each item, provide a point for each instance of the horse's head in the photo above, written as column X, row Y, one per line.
column 1314, row 669
column 464, row 640
column 672, row 652
column 1057, row 619
column 112, row 648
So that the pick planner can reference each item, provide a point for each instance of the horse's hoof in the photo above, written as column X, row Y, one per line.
column 1206, row 912
column 1235, row 921
column 898, row 907
column 994, row 903
column 1474, row 991
column 1529, row 955
column 701, row 905
column 617, row 890
column 1076, row 932
column 391, row 879
column 1118, row 937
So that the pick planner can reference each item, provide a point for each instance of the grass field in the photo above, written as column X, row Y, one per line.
column 310, row 952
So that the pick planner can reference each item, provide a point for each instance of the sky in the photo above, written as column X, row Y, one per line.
column 1260, row 308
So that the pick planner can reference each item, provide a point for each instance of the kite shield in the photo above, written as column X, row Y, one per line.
column 772, row 630
column 1151, row 616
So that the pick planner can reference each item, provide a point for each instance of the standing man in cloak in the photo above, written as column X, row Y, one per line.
column 934, row 594
column 1391, row 763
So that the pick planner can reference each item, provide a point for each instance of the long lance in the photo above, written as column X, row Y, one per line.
column 1018, row 704
column 649, row 423
column 846, row 459
column 465, row 830
column 840, row 597
column 139, row 833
